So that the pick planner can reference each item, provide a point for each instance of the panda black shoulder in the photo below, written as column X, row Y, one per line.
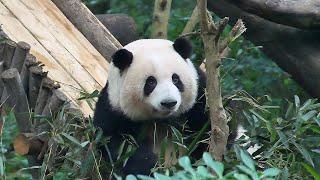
column 105, row 117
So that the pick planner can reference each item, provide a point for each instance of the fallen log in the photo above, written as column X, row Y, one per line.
column 121, row 26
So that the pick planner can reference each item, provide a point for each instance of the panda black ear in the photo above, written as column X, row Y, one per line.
column 122, row 59
column 183, row 47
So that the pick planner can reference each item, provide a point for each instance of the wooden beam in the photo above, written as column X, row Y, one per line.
column 69, row 37
column 17, row 32
column 89, row 26
column 52, row 45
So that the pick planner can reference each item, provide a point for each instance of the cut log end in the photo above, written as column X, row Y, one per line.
column 21, row 144
column 26, row 146
column 9, row 74
column 23, row 45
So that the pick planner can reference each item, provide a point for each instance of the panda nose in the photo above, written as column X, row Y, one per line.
column 168, row 103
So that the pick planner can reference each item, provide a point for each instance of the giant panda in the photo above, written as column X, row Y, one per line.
column 151, row 81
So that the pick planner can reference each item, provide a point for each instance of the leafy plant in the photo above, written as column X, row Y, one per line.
column 288, row 139
column 214, row 170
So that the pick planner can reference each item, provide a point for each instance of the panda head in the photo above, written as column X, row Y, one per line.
column 153, row 79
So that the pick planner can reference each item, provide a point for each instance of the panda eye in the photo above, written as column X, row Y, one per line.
column 151, row 81
column 175, row 78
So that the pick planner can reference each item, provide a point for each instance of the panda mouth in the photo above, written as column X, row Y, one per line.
column 163, row 112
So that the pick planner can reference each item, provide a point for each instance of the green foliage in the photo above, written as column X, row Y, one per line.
column 288, row 137
column 245, row 169
column 12, row 165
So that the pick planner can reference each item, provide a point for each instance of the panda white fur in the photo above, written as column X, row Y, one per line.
column 150, row 80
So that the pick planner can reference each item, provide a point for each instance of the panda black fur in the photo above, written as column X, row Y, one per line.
column 150, row 80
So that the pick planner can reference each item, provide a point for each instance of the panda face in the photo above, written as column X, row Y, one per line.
column 157, row 83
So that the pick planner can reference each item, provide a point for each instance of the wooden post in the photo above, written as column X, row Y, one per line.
column 45, row 93
column 8, row 53
column 54, row 104
column 89, row 26
column 1, row 83
column 57, row 100
column 17, row 98
column 19, row 56
column 35, row 78
column 24, row 74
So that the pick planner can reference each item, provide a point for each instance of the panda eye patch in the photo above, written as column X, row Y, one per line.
column 175, row 78
column 177, row 82
column 151, row 83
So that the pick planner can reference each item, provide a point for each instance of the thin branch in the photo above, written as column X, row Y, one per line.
column 193, row 21
column 238, row 29
column 202, row 10
column 221, row 26
column 196, row 33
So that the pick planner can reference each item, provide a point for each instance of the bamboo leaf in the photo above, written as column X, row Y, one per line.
column 312, row 171
column 246, row 159
column 218, row 167
column 304, row 153
column 271, row 172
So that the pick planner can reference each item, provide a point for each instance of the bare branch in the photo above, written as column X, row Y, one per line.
column 193, row 21
column 222, row 24
column 236, row 31
column 190, row 34
column 202, row 10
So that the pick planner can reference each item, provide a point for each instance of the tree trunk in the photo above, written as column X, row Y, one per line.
column 160, row 18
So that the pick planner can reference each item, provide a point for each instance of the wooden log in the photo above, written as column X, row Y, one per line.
column 45, row 93
column 24, row 74
column 2, row 45
column 19, row 56
column 35, row 78
column 17, row 98
column 8, row 52
column 89, row 26
column 57, row 100
column 121, row 26
column 1, row 83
